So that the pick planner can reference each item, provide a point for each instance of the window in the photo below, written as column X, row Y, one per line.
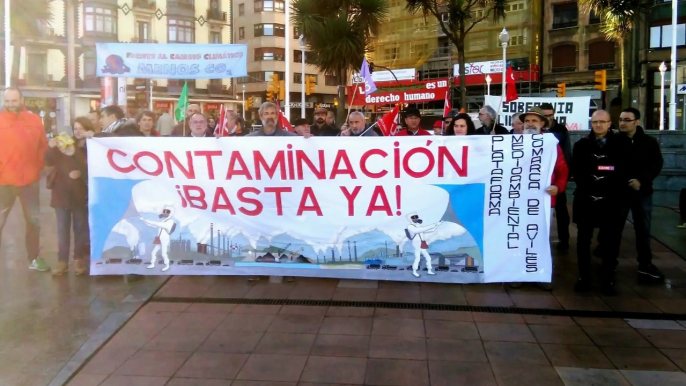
column 593, row 18
column 181, row 31
column 99, row 21
column 241, row 33
column 89, row 64
column 215, row 37
column 298, row 77
column 661, row 36
column 514, row 7
column 37, row 67
column 564, row 58
column 565, row 15
column 241, row 9
column 269, row 6
column 516, row 40
column 143, row 29
column 257, row 77
column 269, row 54
column 270, row 30
column 601, row 54
column 330, row 80
column 298, row 56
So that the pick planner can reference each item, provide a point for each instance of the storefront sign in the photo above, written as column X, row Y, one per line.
column 171, row 61
column 387, row 76
column 121, row 92
column 295, row 105
column 159, row 105
column 491, row 67
column 572, row 112
column 212, row 107
column 323, row 208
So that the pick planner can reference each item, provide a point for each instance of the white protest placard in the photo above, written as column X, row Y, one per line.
column 435, row 209
column 572, row 112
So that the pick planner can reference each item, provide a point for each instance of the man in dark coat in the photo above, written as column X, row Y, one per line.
column 269, row 114
column 488, row 124
column 320, row 128
column 647, row 162
column 601, row 169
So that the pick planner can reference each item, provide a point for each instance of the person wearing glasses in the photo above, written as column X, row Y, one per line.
column 561, row 212
column 489, row 126
column 601, row 168
column 647, row 162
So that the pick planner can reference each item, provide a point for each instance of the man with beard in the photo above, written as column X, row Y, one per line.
column 320, row 128
column 412, row 120
column 488, row 124
column 356, row 126
column 269, row 115
column 22, row 148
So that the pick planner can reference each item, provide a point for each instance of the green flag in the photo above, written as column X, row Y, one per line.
column 183, row 104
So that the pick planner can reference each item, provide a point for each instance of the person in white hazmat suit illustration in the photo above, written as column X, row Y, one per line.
column 415, row 231
column 166, row 227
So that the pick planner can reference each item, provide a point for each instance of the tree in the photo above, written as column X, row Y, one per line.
column 618, row 18
column 338, row 33
column 28, row 18
column 461, row 19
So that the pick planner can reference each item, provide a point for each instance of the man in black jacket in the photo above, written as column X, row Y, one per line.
column 320, row 128
column 488, row 124
column 561, row 211
column 647, row 163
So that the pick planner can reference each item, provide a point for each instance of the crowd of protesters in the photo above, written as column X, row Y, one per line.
column 613, row 170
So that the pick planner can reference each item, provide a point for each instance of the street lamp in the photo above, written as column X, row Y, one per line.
column 8, row 47
column 504, row 38
column 301, row 40
column 488, row 84
column 244, row 102
column 663, row 69
column 672, row 70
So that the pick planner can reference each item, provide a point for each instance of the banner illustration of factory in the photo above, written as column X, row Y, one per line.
column 435, row 209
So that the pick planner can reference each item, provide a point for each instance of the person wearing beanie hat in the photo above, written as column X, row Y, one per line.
column 412, row 118
column 320, row 128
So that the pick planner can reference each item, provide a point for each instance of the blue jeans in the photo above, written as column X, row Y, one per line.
column 641, row 207
column 78, row 218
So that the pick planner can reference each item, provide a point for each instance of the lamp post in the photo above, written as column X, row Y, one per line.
column 504, row 39
column 287, row 57
column 244, row 102
column 672, row 71
column 8, row 48
column 663, row 69
column 488, row 84
column 301, row 40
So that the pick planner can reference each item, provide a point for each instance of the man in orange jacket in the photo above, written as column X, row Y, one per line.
column 22, row 146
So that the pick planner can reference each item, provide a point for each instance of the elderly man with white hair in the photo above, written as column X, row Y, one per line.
column 488, row 124
column 356, row 126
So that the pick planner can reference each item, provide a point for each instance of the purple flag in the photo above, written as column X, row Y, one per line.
column 369, row 86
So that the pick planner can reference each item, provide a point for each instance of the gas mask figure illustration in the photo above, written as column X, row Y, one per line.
column 415, row 231
column 166, row 227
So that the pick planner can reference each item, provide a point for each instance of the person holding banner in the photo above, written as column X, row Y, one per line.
column 146, row 123
column 412, row 120
column 489, row 126
column 268, row 115
column 301, row 127
column 320, row 128
column 356, row 126
column 111, row 118
column 601, row 169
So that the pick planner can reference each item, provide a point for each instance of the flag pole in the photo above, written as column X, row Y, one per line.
column 352, row 100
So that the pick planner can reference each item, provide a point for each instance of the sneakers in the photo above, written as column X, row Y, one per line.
column 38, row 264
column 61, row 269
column 81, row 267
column 650, row 273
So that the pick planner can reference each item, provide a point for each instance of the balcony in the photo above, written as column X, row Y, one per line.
column 145, row 4
column 601, row 66
column 186, row 4
column 216, row 15
column 564, row 69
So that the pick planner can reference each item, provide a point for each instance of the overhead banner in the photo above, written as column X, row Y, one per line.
column 572, row 112
column 171, row 61
column 414, row 92
column 440, row 209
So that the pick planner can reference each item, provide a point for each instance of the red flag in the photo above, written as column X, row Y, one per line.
column 283, row 122
column 446, row 110
column 221, row 129
column 389, row 122
column 511, row 89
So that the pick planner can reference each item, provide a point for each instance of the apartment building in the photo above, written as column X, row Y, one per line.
column 261, row 24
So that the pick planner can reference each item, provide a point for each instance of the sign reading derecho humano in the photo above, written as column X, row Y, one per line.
column 436, row 209
column 571, row 112
column 171, row 61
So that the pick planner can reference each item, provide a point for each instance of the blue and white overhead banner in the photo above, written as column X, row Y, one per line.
column 171, row 61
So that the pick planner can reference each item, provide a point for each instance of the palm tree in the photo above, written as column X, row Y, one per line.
column 28, row 18
column 461, row 19
column 618, row 18
column 338, row 33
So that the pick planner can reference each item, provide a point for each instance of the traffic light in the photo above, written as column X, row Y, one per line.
column 248, row 103
column 601, row 80
column 561, row 90
column 273, row 87
column 335, row 101
column 282, row 90
column 309, row 84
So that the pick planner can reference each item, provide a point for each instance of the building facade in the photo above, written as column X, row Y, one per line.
column 261, row 25
column 43, row 61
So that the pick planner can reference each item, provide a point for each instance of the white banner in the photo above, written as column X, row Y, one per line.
column 387, row 76
column 439, row 209
column 572, row 112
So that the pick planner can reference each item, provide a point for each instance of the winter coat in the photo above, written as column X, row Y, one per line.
column 646, row 160
column 405, row 133
column 601, row 173
column 562, row 135
column 22, row 147
column 277, row 133
column 324, row 131
column 499, row 130
column 68, row 192
column 560, row 175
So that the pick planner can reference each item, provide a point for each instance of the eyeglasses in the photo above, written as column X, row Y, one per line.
column 599, row 122
column 626, row 120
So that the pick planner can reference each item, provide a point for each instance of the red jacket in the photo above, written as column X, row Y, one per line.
column 22, row 148
column 560, row 174
column 403, row 133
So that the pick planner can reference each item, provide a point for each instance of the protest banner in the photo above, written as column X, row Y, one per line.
column 572, row 112
column 401, row 92
column 435, row 209
column 171, row 61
